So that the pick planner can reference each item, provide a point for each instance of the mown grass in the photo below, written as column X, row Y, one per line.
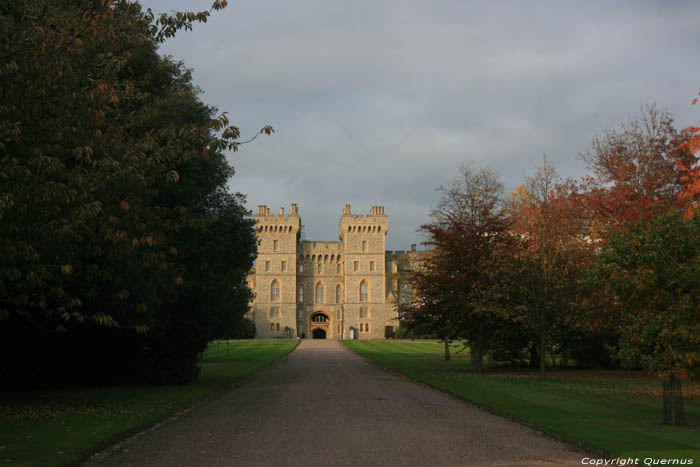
column 613, row 412
column 62, row 427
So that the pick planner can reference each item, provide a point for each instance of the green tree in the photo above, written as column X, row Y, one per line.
column 112, row 185
column 653, row 269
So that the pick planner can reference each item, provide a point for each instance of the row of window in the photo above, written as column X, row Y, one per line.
column 365, row 228
column 275, row 228
column 275, row 313
column 276, row 247
column 319, row 258
column 363, row 290
column 319, row 267
column 364, row 327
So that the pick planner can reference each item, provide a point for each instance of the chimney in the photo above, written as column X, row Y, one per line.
column 281, row 212
column 293, row 208
column 346, row 210
column 413, row 247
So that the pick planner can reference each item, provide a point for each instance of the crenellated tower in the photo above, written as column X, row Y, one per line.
column 364, row 244
column 276, row 271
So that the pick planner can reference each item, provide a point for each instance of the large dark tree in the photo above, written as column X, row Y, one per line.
column 121, row 248
column 653, row 269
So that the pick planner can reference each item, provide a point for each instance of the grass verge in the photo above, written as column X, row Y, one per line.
column 62, row 427
column 613, row 412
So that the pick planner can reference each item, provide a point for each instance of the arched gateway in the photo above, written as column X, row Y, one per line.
column 320, row 325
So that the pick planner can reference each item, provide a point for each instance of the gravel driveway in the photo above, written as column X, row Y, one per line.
column 324, row 406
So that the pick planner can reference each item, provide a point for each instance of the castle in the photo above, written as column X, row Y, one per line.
column 346, row 289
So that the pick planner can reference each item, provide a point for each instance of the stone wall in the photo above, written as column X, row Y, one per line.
column 308, row 274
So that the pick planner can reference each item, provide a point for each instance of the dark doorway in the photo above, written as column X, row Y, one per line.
column 319, row 333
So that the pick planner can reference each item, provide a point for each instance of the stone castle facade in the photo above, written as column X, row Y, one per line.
column 344, row 289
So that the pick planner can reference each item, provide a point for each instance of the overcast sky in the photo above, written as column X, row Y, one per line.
column 380, row 102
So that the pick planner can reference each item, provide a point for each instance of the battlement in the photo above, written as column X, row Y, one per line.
column 271, row 223
column 315, row 247
column 264, row 212
column 398, row 253
column 374, row 213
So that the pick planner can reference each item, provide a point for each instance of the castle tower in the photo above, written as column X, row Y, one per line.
column 364, row 245
column 276, row 272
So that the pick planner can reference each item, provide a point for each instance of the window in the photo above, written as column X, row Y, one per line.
column 276, row 245
column 364, row 312
column 337, row 314
column 355, row 266
column 363, row 291
column 364, row 245
column 272, row 326
column 300, row 314
column 371, row 266
column 275, row 291
column 301, row 267
column 338, row 294
column 319, row 318
column 267, row 266
column 319, row 293
column 337, row 268
column 284, row 266
column 320, row 268
column 275, row 312
column 278, row 326
column 362, row 327
column 300, row 294
column 366, row 327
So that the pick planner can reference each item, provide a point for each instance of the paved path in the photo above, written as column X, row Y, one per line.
column 324, row 406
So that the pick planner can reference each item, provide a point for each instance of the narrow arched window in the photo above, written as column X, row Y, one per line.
column 275, row 291
column 338, row 294
column 363, row 291
column 300, row 294
column 319, row 293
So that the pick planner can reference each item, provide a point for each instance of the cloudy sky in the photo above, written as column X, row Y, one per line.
column 380, row 102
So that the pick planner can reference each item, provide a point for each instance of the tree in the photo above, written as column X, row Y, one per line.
column 637, row 171
column 113, row 178
column 552, row 248
column 453, row 283
column 690, row 169
column 653, row 269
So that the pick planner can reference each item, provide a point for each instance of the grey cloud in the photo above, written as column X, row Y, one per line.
column 381, row 102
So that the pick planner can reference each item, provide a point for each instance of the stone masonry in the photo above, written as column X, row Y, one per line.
column 342, row 289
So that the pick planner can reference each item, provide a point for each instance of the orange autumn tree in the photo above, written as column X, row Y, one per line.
column 552, row 250
column 691, row 173
column 637, row 171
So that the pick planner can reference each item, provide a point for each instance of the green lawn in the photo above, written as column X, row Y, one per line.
column 62, row 427
column 614, row 412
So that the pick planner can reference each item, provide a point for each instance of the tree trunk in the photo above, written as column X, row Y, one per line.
column 673, row 402
column 477, row 351
column 447, row 348
column 534, row 358
column 543, row 359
